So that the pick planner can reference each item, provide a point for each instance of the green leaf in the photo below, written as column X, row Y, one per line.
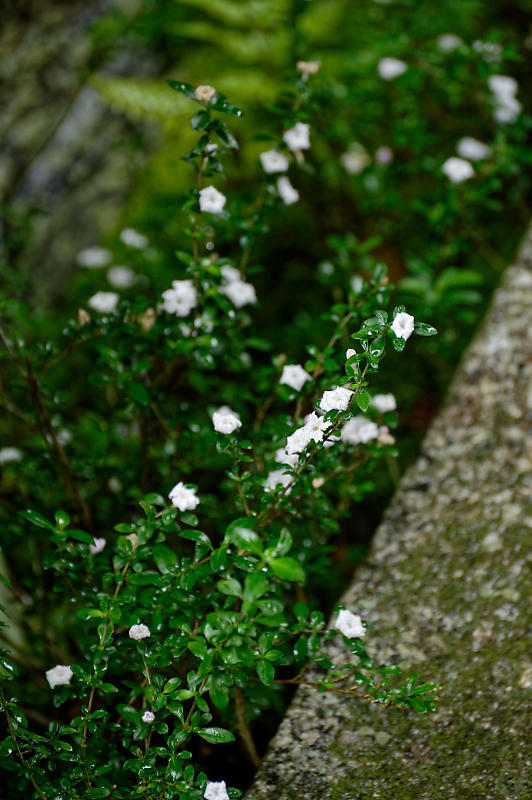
column 362, row 399
column 216, row 735
column 243, row 536
column 266, row 672
column 182, row 88
column 80, row 536
column 62, row 518
column 230, row 586
column 171, row 685
column 138, row 392
column 200, row 120
column 197, row 536
column 165, row 559
column 37, row 519
column 129, row 713
column 288, row 568
column 255, row 585
column 423, row 329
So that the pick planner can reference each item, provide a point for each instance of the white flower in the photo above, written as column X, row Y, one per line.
column 350, row 352
column 448, row 42
column 215, row 790
column 240, row 293
column 139, row 632
column 8, row 454
column 183, row 498
column 503, row 85
column 508, row 107
column 359, row 430
column 384, row 155
column 132, row 238
column 308, row 67
column 298, row 137
column 210, row 199
column 390, row 68
column 205, row 93
column 457, row 169
column 104, row 302
column 148, row 717
column 295, row 376
column 336, row 400
column 121, row 277
column 180, row 299
column 273, row 161
column 230, row 274
column 355, row 160
column 97, row 547
column 287, row 193
column 58, row 676
column 403, row 325
column 349, row 624
column 276, row 477
column 490, row 51
column 282, row 457
column 384, row 403
column 114, row 484
column 225, row 420
column 508, row 110
column 210, row 149
column 93, row 257
column 472, row 149
column 297, row 441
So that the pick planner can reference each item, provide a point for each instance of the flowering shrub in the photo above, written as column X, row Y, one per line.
column 182, row 624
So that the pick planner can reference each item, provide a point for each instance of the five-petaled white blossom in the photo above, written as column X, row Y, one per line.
column 104, row 302
column 295, row 376
column 8, row 454
column 230, row 274
column 180, row 299
column 121, row 277
column 225, row 420
column 384, row 403
column 336, row 400
column 403, row 325
column 97, row 547
column 287, row 193
column 391, row 68
column 183, row 498
column 148, row 717
column 239, row 292
column 94, row 257
column 134, row 239
column 204, row 92
column 457, row 169
column 59, row 675
column 273, row 161
column 349, row 624
column 471, row 148
column 216, row 790
column 298, row 137
column 139, row 632
column 359, row 430
column 282, row 457
column 210, row 199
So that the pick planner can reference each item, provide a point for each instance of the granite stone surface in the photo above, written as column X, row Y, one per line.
column 447, row 592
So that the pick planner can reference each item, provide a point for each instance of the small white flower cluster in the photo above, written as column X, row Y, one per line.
column 211, row 200
column 403, row 325
column 104, row 302
column 132, row 238
column 313, row 430
column 349, row 624
column 9, row 454
column 238, row 291
column 295, row 376
column 448, row 42
column 225, row 420
column 94, row 257
column 180, row 299
column 490, row 51
column 355, row 160
column 183, row 498
column 472, row 149
column 139, row 632
column 391, row 68
column 457, row 169
column 359, row 430
column 97, row 546
column 507, row 106
column 216, row 790
column 274, row 162
column 336, row 400
column 59, row 675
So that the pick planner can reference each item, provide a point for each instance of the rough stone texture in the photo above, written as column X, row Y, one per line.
column 67, row 160
column 447, row 592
